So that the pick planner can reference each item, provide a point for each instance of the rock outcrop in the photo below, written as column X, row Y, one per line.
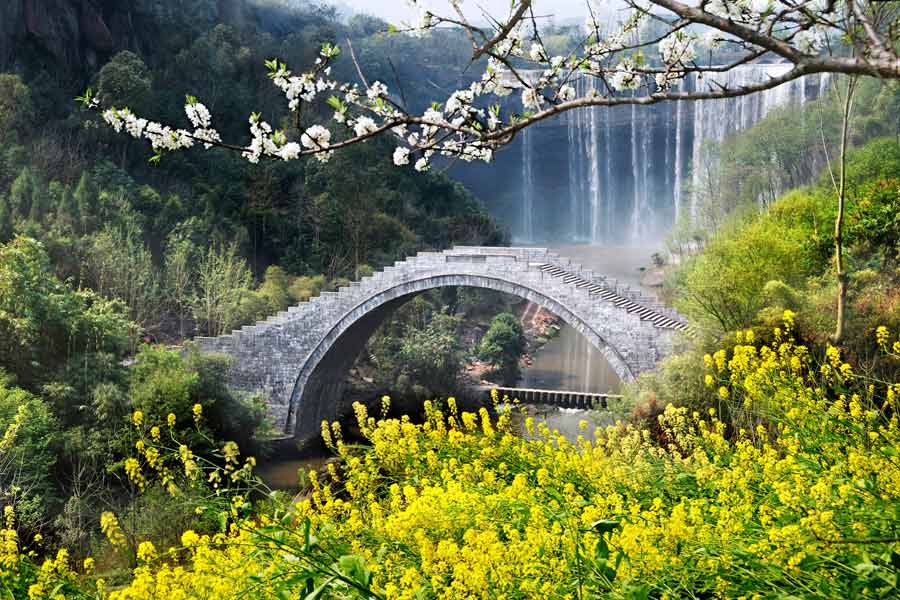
column 70, row 32
column 74, row 35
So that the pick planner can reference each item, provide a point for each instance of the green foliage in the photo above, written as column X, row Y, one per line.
column 27, row 455
column 873, row 220
column 304, row 288
column 722, row 289
column 164, row 382
column 160, row 384
column 432, row 356
column 6, row 220
column 223, row 281
column 16, row 108
column 878, row 159
column 726, row 286
column 228, row 414
column 748, row 171
column 179, row 286
column 275, row 290
column 44, row 323
column 502, row 346
column 120, row 266
column 753, row 269
column 126, row 81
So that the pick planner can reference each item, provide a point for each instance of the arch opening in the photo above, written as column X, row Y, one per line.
column 321, row 381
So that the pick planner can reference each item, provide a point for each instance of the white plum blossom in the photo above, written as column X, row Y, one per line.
column 290, row 151
column 316, row 137
column 677, row 48
column 364, row 126
column 713, row 39
column 376, row 90
column 433, row 116
column 459, row 100
column 624, row 77
column 401, row 156
column 198, row 115
column 426, row 19
column 809, row 40
column 467, row 124
column 135, row 126
column 532, row 98
column 207, row 136
column 262, row 142
column 111, row 116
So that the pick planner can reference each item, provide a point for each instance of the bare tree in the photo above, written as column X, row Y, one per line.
column 840, row 188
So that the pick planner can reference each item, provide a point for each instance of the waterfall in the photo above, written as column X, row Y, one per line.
column 595, row 197
column 528, row 186
column 714, row 120
column 676, row 189
column 607, row 153
column 635, row 166
column 628, row 172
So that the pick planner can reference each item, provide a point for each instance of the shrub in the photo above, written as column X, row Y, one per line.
column 28, row 434
column 164, row 382
column 722, row 289
column 502, row 346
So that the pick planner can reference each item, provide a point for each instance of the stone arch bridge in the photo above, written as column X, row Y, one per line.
column 299, row 358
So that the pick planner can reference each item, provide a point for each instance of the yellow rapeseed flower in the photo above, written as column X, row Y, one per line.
column 146, row 551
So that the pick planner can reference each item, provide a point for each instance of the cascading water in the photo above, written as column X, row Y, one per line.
column 676, row 187
column 630, row 169
column 528, row 186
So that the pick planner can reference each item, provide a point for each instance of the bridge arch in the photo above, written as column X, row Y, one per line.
column 299, row 358
column 320, row 380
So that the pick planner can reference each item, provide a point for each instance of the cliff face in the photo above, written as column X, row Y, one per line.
column 75, row 35
column 71, row 32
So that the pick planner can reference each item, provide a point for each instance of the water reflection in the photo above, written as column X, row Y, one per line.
column 282, row 474
column 569, row 362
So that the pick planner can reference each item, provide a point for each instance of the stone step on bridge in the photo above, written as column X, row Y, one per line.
column 560, row 398
column 299, row 358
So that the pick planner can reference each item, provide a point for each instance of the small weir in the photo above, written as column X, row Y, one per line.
column 559, row 398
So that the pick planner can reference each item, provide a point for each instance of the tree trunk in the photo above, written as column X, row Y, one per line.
column 839, row 220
